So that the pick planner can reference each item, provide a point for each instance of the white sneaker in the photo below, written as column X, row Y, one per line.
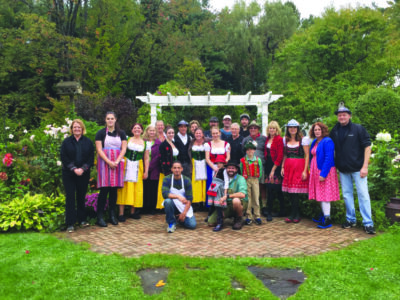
column 171, row 228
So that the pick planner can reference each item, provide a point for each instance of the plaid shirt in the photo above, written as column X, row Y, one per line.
column 166, row 186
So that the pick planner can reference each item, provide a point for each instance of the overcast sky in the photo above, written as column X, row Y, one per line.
column 307, row 7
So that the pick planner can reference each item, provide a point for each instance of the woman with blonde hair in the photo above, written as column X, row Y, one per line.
column 273, row 160
column 150, row 185
column 77, row 156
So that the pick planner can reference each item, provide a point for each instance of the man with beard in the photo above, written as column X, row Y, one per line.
column 236, row 198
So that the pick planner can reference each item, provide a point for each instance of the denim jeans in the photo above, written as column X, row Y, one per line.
column 171, row 211
column 364, row 202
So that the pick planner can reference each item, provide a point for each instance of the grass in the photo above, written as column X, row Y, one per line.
column 59, row 269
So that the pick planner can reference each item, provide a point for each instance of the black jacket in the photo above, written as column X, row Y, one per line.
column 183, row 155
column 349, row 154
column 166, row 157
column 77, row 154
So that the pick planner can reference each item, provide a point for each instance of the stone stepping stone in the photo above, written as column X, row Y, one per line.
column 150, row 277
column 237, row 285
column 283, row 283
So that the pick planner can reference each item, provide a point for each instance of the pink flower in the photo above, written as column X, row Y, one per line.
column 27, row 251
column 8, row 159
column 3, row 176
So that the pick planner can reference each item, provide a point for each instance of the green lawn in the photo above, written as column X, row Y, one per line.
column 59, row 269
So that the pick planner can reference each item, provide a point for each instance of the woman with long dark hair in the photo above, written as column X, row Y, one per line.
column 111, row 147
column 295, row 167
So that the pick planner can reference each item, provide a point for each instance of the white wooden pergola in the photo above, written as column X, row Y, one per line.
column 261, row 101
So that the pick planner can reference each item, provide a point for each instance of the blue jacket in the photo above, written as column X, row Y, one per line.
column 325, row 155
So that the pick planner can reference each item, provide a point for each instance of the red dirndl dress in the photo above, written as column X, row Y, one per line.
column 293, row 169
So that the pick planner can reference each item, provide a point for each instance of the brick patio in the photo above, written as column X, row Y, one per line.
column 272, row 239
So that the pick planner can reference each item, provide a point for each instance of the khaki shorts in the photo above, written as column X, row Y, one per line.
column 228, row 212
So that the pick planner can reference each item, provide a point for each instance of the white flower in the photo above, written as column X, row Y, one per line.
column 65, row 136
column 25, row 131
column 7, row 128
column 64, row 129
column 48, row 126
column 254, row 143
column 58, row 163
column 32, row 137
column 383, row 136
column 10, row 136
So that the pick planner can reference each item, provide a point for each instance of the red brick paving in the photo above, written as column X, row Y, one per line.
column 272, row 239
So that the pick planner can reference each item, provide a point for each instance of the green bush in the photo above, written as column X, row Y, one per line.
column 37, row 212
column 378, row 110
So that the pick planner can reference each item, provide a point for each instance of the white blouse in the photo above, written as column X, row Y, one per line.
column 198, row 148
column 214, row 150
column 304, row 142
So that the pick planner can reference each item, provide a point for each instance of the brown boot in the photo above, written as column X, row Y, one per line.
column 237, row 224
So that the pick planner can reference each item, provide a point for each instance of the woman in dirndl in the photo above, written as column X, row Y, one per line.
column 295, row 167
column 273, row 160
column 215, row 148
column 324, row 185
column 135, row 172
column 199, row 170
column 111, row 147
column 168, row 154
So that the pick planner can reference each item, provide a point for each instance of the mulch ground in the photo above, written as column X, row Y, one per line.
column 271, row 239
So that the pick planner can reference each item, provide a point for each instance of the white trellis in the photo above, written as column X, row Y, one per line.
column 261, row 101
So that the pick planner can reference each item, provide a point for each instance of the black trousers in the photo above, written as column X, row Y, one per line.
column 75, row 191
column 150, row 193
column 111, row 192
column 271, row 190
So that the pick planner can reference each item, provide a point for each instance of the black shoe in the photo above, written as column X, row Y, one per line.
column 113, row 219
column 369, row 229
column 269, row 217
column 325, row 223
column 348, row 224
column 135, row 216
column 258, row 221
column 264, row 211
column 101, row 222
column 153, row 212
column 218, row 227
column 121, row 218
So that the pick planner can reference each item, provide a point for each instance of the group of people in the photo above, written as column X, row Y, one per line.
column 235, row 171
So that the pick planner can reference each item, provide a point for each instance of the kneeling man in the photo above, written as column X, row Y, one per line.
column 177, row 194
column 236, row 198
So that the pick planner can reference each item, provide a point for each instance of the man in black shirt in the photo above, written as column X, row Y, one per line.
column 182, row 141
column 244, row 121
column 352, row 153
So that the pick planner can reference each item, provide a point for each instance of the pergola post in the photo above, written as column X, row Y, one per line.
column 153, row 113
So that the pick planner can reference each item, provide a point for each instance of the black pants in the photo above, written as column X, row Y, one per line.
column 150, row 193
column 271, row 190
column 75, row 191
column 111, row 192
